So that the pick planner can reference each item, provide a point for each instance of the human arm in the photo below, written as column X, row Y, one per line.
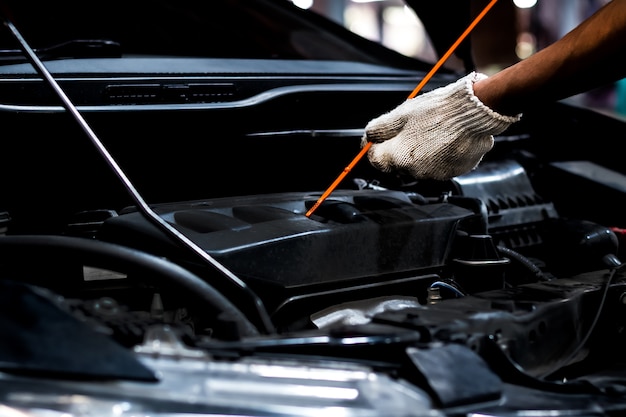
column 587, row 57
column 446, row 132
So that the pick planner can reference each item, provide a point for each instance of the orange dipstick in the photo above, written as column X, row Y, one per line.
column 417, row 89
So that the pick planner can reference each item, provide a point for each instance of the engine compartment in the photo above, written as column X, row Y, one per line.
column 504, row 262
column 505, row 254
column 490, row 231
column 179, row 273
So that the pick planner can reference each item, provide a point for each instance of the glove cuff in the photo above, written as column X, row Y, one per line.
column 474, row 114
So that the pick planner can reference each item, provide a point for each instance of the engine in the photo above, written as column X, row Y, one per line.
column 490, row 231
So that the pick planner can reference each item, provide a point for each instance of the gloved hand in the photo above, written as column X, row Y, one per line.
column 438, row 135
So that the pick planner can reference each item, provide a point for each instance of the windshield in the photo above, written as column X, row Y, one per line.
column 252, row 29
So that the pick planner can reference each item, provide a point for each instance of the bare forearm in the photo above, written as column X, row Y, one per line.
column 589, row 56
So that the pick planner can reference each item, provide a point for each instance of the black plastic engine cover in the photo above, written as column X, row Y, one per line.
column 268, row 238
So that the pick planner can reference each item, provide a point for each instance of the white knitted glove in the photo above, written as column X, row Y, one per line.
column 438, row 135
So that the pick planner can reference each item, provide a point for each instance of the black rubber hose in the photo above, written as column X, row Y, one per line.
column 30, row 251
column 524, row 261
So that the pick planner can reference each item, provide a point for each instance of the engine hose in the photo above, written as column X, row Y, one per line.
column 524, row 261
column 29, row 252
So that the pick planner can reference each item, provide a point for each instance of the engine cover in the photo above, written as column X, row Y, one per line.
column 355, row 235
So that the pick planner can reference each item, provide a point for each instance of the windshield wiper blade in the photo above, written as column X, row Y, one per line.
column 76, row 48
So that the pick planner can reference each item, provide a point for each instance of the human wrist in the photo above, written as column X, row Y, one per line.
column 491, row 94
column 479, row 116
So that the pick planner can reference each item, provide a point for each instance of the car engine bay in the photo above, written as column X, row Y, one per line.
column 487, row 260
column 500, row 287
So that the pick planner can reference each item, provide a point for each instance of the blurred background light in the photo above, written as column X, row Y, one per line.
column 303, row 4
column 525, row 4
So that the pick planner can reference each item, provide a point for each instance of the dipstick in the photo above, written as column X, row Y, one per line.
column 417, row 89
